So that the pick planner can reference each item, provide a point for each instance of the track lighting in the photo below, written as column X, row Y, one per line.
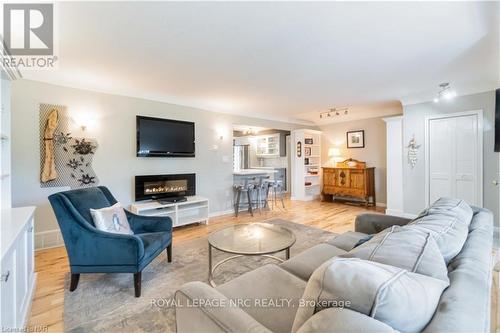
column 445, row 93
column 334, row 112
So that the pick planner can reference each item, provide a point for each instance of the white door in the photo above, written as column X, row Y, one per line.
column 454, row 152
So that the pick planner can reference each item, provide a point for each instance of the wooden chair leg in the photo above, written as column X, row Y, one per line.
column 137, row 284
column 74, row 281
column 169, row 253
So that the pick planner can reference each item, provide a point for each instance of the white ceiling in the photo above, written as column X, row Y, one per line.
column 277, row 60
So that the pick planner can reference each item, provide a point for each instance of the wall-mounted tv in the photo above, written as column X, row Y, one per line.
column 158, row 137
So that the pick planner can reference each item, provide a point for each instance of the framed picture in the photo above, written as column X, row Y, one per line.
column 356, row 139
column 307, row 151
column 308, row 141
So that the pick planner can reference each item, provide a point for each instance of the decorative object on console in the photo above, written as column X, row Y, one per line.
column 350, row 179
column 356, row 139
column 66, row 160
column 334, row 155
column 413, row 152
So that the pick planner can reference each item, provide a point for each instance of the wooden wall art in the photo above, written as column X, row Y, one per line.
column 64, row 160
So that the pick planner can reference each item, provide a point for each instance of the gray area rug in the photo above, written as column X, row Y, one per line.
column 106, row 302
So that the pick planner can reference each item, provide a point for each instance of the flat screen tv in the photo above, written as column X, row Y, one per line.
column 158, row 137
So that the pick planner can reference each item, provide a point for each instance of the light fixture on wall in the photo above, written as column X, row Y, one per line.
column 334, row 112
column 445, row 92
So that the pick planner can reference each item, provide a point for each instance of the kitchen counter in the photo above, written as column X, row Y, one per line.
column 253, row 172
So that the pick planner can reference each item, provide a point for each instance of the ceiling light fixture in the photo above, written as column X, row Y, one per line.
column 334, row 112
column 445, row 92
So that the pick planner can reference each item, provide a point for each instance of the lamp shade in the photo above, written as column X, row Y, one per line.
column 333, row 152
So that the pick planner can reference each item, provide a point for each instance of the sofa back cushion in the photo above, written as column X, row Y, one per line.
column 447, row 220
column 403, row 300
column 406, row 248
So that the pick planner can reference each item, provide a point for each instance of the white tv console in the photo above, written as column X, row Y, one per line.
column 193, row 210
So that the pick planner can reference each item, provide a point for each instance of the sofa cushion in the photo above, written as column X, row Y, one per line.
column 343, row 320
column 448, row 222
column 347, row 240
column 264, row 284
column 403, row 247
column 306, row 262
column 403, row 300
column 465, row 304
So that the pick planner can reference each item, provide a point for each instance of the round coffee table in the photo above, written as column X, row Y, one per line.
column 256, row 239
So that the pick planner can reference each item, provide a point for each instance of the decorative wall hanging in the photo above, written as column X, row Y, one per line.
column 299, row 149
column 356, row 139
column 64, row 159
column 413, row 152
column 307, row 151
column 308, row 141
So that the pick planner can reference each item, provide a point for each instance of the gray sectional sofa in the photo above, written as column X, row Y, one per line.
column 430, row 274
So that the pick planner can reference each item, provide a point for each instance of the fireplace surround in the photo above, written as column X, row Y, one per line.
column 155, row 187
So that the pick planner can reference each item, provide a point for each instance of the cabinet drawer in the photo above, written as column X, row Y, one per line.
column 8, row 290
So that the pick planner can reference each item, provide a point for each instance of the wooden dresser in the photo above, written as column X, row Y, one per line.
column 350, row 179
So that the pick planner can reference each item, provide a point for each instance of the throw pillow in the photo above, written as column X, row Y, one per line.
column 447, row 220
column 111, row 219
column 407, row 248
column 403, row 300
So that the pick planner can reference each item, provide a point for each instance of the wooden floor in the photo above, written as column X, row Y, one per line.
column 52, row 264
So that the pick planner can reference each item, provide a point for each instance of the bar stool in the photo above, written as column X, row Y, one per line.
column 275, row 188
column 247, row 188
column 262, row 190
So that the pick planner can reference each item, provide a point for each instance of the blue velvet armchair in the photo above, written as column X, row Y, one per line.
column 94, row 251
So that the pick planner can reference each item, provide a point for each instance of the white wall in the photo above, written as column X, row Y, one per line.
column 115, row 162
column 414, row 124
column 5, row 143
column 374, row 153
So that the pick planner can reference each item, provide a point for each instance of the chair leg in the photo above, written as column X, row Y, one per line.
column 74, row 281
column 137, row 284
column 237, row 204
column 249, row 196
column 169, row 253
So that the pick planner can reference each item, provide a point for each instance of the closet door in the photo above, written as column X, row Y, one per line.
column 454, row 145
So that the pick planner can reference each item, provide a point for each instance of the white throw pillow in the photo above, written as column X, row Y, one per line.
column 111, row 219
column 403, row 300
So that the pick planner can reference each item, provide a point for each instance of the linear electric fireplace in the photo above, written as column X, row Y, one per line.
column 164, row 186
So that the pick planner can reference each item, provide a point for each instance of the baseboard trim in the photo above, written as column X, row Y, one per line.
column 220, row 213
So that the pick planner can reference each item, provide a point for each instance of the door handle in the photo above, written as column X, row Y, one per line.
column 496, row 182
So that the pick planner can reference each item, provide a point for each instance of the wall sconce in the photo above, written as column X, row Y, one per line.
column 85, row 120
column 221, row 132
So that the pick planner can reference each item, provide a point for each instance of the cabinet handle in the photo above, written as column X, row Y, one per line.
column 30, row 229
column 5, row 277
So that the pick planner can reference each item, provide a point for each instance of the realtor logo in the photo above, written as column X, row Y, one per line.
column 29, row 29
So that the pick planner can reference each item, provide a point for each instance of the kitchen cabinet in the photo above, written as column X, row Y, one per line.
column 271, row 145
column 17, row 282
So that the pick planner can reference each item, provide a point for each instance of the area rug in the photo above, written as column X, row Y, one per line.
column 106, row 302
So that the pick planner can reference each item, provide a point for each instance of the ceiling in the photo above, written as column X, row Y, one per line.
column 277, row 60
